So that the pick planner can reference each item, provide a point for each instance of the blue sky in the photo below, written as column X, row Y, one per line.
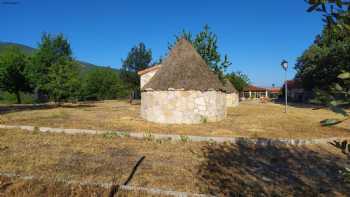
column 256, row 35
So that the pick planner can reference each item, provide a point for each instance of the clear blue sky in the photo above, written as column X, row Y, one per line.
column 256, row 35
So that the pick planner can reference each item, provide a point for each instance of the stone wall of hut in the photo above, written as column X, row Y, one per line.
column 183, row 107
column 232, row 100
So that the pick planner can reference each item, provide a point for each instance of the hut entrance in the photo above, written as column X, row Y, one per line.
column 135, row 97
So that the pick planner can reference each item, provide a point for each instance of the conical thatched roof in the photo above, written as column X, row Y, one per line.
column 184, row 69
column 229, row 88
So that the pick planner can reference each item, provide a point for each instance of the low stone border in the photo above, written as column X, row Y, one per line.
column 153, row 191
column 192, row 138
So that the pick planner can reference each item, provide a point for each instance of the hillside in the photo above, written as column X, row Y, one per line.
column 30, row 50
column 25, row 49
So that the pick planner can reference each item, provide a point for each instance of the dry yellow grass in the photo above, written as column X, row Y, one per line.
column 249, row 119
column 20, row 187
column 96, row 159
column 220, row 169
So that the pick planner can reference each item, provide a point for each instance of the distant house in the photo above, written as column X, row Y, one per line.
column 274, row 93
column 255, row 92
column 296, row 92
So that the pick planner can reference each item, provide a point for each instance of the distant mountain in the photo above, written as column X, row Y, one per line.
column 30, row 50
column 25, row 49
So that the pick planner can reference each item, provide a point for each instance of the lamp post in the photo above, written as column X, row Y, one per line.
column 284, row 65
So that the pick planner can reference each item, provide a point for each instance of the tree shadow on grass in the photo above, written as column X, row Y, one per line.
column 250, row 170
column 29, row 107
column 301, row 105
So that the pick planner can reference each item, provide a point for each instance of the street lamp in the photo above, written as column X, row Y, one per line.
column 284, row 65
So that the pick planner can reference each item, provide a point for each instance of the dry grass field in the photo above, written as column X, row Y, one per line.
column 220, row 169
column 20, row 187
column 249, row 119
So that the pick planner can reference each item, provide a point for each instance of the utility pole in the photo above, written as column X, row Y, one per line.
column 284, row 65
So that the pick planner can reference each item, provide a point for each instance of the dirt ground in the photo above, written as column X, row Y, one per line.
column 210, row 168
column 250, row 119
column 19, row 187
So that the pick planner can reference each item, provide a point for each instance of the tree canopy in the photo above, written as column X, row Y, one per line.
column 13, row 72
column 138, row 58
column 325, row 66
column 323, row 61
column 52, row 50
column 335, row 12
column 54, row 70
column 63, row 81
column 329, row 55
column 239, row 80
column 103, row 83
column 206, row 44
column 54, row 75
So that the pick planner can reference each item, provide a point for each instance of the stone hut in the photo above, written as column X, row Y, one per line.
column 183, row 90
column 232, row 95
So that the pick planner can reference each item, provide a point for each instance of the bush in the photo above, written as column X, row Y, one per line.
column 8, row 98
column 103, row 84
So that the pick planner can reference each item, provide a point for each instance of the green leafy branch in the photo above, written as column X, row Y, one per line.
column 337, row 99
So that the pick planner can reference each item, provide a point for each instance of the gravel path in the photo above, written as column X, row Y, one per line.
column 192, row 138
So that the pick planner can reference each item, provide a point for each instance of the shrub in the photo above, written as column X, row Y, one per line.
column 204, row 119
column 148, row 136
column 184, row 138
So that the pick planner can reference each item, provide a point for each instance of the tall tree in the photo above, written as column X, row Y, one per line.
column 52, row 50
column 239, row 80
column 206, row 44
column 54, row 70
column 328, row 59
column 13, row 72
column 323, row 61
column 138, row 58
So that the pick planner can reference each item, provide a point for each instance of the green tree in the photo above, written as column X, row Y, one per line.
column 206, row 44
column 103, row 83
column 64, row 81
column 329, row 56
column 322, row 62
column 138, row 58
column 239, row 80
column 13, row 72
column 54, row 70
column 336, row 13
column 52, row 50
column 330, row 53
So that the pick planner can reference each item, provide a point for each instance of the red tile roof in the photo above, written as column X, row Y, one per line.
column 275, row 90
column 254, row 88
column 293, row 84
column 261, row 89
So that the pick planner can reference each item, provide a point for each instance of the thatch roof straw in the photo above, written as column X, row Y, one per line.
column 229, row 88
column 184, row 69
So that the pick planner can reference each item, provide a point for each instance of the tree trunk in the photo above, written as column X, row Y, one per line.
column 58, row 101
column 18, row 96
